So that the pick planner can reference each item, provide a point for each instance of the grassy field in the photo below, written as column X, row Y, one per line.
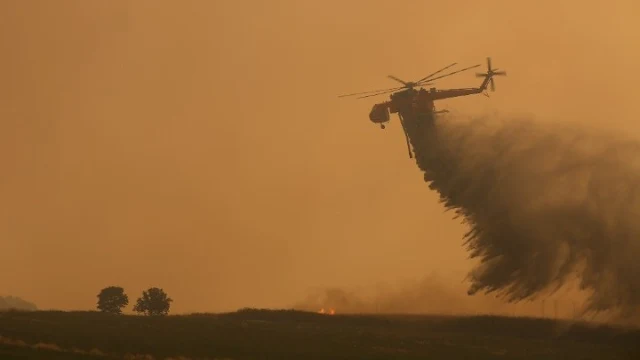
column 264, row 334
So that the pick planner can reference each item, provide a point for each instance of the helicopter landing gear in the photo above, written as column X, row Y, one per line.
column 382, row 126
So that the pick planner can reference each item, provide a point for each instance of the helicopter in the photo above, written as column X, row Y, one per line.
column 407, row 101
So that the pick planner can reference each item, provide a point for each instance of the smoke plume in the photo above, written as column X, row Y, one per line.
column 545, row 204
column 432, row 295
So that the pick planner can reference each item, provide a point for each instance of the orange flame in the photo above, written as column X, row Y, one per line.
column 330, row 312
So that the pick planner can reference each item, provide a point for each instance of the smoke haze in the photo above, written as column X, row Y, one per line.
column 433, row 295
column 199, row 146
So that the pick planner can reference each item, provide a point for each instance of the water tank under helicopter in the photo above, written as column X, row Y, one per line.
column 379, row 114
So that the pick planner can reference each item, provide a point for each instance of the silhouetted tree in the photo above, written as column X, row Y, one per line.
column 154, row 301
column 112, row 299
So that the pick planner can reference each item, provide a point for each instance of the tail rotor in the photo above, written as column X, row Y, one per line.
column 491, row 73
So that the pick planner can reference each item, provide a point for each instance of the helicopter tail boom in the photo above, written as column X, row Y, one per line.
column 488, row 80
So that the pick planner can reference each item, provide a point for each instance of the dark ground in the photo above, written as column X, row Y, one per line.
column 263, row 334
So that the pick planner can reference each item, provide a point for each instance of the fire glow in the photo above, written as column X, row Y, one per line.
column 329, row 312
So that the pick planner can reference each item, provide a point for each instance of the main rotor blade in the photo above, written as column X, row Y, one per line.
column 372, row 91
column 380, row 93
column 436, row 73
column 396, row 79
column 500, row 73
column 452, row 73
column 493, row 85
column 489, row 63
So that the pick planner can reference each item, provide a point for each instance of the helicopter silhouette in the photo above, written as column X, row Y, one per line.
column 406, row 101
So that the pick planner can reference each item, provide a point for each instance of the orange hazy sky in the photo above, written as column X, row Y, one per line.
column 200, row 146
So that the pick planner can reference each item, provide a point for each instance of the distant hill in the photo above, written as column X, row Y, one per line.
column 12, row 302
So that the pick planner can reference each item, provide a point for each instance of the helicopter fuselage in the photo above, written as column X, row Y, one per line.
column 415, row 108
column 410, row 100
